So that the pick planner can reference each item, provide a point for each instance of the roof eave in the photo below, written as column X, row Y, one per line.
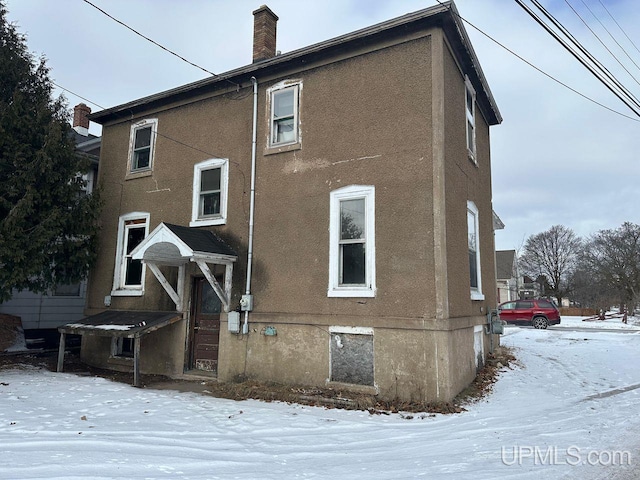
column 243, row 74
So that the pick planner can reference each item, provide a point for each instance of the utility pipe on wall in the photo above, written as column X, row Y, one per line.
column 254, row 141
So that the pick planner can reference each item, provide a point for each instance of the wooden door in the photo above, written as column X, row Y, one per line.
column 205, row 332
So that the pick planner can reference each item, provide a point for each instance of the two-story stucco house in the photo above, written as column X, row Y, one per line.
column 317, row 217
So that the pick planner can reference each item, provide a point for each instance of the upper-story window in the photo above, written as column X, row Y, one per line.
column 128, row 277
column 475, row 277
column 210, row 180
column 470, row 108
column 352, row 242
column 141, row 145
column 284, row 114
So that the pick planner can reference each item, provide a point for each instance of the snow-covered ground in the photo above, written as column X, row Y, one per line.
column 570, row 410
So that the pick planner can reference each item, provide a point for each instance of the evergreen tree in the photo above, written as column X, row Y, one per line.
column 47, row 225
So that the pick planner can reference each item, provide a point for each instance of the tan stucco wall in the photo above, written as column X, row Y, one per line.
column 365, row 120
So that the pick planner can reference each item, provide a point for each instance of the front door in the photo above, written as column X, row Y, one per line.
column 205, row 330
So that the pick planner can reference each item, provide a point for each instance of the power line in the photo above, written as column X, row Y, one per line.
column 625, row 96
column 610, row 34
column 75, row 94
column 519, row 57
column 155, row 131
column 154, row 42
column 610, row 81
column 600, row 40
column 621, row 29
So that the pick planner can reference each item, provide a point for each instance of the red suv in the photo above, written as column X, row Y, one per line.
column 539, row 313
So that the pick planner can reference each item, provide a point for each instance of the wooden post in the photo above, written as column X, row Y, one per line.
column 136, row 361
column 63, row 339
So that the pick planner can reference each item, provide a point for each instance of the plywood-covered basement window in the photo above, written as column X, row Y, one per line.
column 351, row 355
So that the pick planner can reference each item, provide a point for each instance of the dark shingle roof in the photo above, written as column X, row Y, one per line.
column 201, row 240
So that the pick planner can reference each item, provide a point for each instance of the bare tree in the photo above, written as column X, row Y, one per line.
column 588, row 290
column 554, row 254
column 613, row 260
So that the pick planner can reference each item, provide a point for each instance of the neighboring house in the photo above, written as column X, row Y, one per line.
column 42, row 314
column 530, row 288
column 337, row 196
column 507, row 275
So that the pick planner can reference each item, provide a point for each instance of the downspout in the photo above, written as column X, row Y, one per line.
column 254, row 140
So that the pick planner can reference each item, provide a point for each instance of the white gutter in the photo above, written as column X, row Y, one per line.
column 254, row 141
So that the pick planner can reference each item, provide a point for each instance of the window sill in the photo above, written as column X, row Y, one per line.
column 207, row 222
column 477, row 296
column 472, row 157
column 120, row 360
column 142, row 173
column 127, row 293
column 353, row 387
column 272, row 150
column 351, row 292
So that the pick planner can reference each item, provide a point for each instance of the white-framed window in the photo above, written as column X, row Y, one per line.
column 470, row 110
column 128, row 277
column 284, row 112
column 475, row 275
column 352, row 250
column 210, row 183
column 142, row 145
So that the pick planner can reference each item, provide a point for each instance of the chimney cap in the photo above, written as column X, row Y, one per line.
column 264, row 7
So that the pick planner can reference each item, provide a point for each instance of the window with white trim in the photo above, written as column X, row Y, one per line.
column 475, row 275
column 210, row 182
column 141, row 145
column 128, row 277
column 284, row 114
column 470, row 109
column 352, row 242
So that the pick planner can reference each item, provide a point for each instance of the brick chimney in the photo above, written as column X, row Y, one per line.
column 80, row 120
column 264, row 34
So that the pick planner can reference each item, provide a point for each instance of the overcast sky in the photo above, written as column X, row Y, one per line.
column 557, row 158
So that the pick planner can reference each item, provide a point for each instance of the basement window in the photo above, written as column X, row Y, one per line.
column 122, row 347
column 351, row 353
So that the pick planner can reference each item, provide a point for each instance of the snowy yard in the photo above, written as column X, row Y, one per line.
column 570, row 410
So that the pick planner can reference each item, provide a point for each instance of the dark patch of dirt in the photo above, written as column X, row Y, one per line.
column 10, row 327
column 500, row 359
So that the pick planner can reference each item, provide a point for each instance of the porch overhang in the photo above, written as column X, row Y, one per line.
column 175, row 245
column 118, row 324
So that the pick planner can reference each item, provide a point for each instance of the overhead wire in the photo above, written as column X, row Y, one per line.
column 629, row 100
column 155, row 131
column 610, row 80
column 155, row 43
column 600, row 40
column 538, row 69
column 619, row 26
column 610, row 34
